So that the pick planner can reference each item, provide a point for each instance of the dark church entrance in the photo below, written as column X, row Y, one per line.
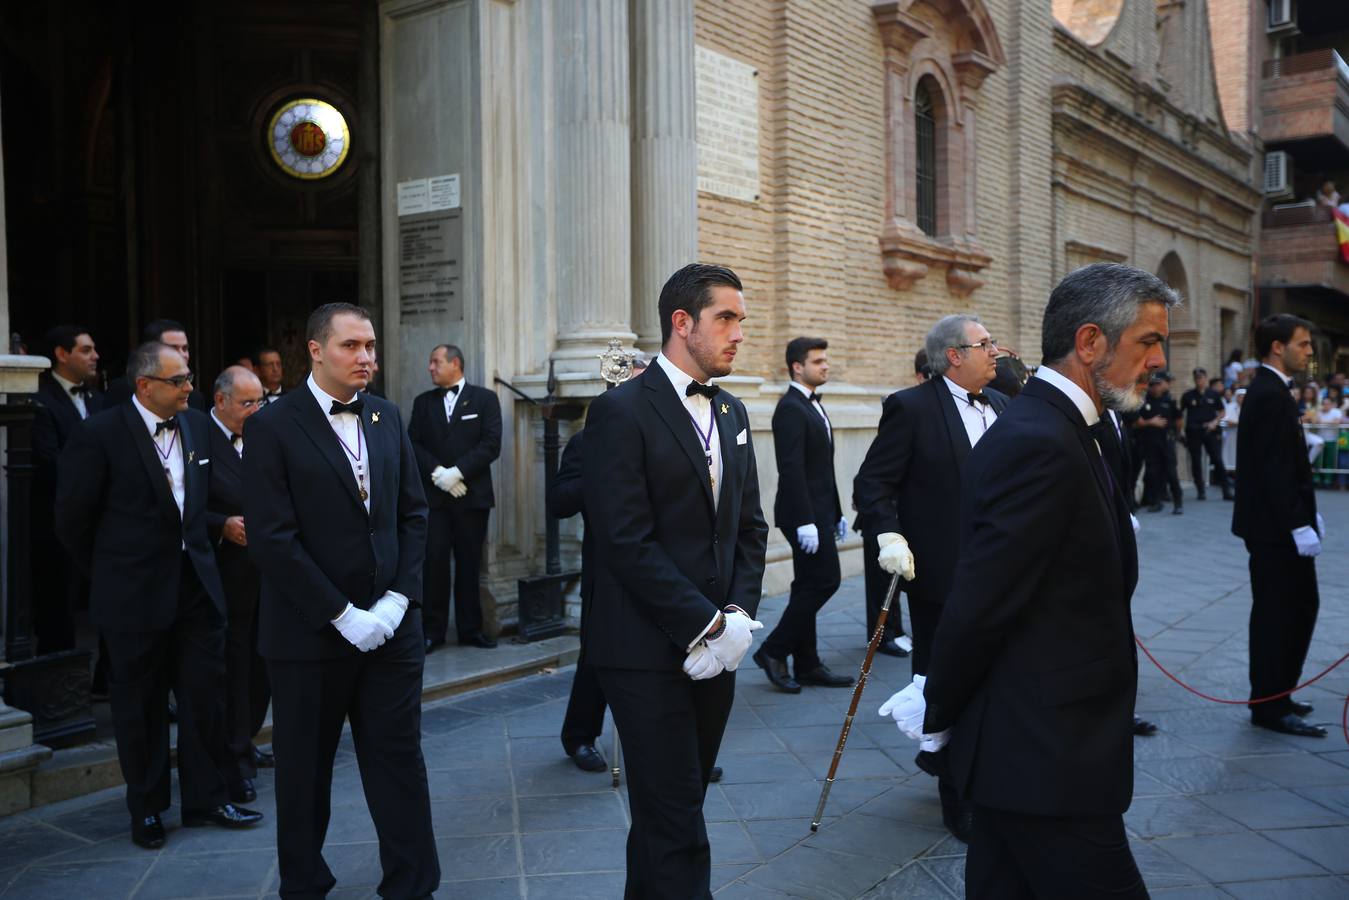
column 142, row 178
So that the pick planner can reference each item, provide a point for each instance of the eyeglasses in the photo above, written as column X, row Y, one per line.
column 177, row 380
column 988, row 346
column 249, row 404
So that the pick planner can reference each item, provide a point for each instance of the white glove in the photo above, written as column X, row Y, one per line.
column 389, row 609
column 363, row 630
column 446, row 479
column 1133, row 520
column 934, row 742
column 1308, row 543
column 1321, row 526
column 842, row 530
column 808, row 538
column 702, row 663
column 895, row 556
column 734, row 642
column 458, row 489
column 907, row 708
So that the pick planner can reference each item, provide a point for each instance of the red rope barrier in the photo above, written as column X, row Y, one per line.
column 1344, row 719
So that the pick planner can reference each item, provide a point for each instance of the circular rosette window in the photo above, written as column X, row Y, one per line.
column 308, row 138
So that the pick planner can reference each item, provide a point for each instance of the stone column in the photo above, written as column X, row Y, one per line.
column 664, row 154
column 593, row 179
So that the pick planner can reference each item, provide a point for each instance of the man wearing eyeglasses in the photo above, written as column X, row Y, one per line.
column 238, row 393
column 909, row 484
column 131, row 509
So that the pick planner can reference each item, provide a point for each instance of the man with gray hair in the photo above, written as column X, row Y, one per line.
column 912, row 473
column 1034, row 671
column 238, row 394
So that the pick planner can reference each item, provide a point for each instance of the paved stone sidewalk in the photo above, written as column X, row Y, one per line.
column 1221, row 809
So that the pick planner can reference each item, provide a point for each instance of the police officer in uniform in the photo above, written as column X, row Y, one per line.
column 1203, row 415
column 1158, row 421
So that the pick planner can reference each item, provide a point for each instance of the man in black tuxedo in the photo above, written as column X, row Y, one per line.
column 1275, row 514
column 267, row 366
column 456, row 433
column 173, row 334
column 238, row 395
column 810, row 516
column 911, row 473
column 337, row 526
column 1034, row 671
column 584, row 719
column 64, row 399
column 672, row 501
column 131, row 509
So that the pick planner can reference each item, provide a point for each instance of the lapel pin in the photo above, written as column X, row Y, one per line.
column 374, row 417
column 725, row 409
column 191, row 455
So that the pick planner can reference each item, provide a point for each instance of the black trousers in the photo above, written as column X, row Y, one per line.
column 877, row 583
column 815, row 578
column 188, row 657
column 1199, row 440
column 671, row 728
column 453, row 533
column 249, row 691
column 381, row 693
column 924, row 615
column 1284, row 603
column 59, row 589
column 1014, row 856
column 584, row 719
column 1160, row 455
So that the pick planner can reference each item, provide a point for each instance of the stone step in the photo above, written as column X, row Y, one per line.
column 76, row 771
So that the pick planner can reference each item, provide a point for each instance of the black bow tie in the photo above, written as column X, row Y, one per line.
column 354, row 407
column 453, row 389
column 77, row 389
column 816, row 398
column 170, row 424
column 980, row 397
column 707, row 390
column 236, row 438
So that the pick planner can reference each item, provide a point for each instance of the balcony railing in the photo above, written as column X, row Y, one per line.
column 1315, row 61
column 1305, row 97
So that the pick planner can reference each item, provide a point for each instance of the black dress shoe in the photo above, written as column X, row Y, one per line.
column 227, row 815
column 890, row 648
column 776, row 670
column 822, row 677
column 242, row 791
column 1300, row 708
column 588, row 759
column 263, row 759
column 715, row 775
column 432, row 644
column 477, row 640
column 1143, row 728
column 147, row 832
column 1289, row 723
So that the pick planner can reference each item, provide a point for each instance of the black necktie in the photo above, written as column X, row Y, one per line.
column 354, row 407
column 979, row 397
column 169, row 424
column 707, row 390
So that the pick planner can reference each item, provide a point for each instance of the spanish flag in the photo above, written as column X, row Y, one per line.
column 1342, row 233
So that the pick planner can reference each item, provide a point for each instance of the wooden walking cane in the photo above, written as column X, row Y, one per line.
column 856, row 696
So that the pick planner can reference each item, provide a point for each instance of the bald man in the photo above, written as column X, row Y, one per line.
column 237, row 395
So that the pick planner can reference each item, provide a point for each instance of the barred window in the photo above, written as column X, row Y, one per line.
column 925, row 132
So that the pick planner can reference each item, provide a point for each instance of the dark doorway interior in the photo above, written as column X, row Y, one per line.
column 269, row 308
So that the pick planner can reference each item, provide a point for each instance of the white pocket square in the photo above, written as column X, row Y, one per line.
column 202, row 462
column 466, row 418
column 741, row 437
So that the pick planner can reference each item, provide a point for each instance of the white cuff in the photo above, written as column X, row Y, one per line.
column 704, row 632
column 344, row 611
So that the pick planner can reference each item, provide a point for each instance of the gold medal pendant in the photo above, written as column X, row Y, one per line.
column 365, row 495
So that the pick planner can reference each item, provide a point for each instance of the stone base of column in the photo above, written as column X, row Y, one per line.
column 19, row 759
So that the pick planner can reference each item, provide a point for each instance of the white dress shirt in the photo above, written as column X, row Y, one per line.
column 1074, row 393
column 230, row 435
column 1286, row 379
column 77, row 397
column 817, row 406
column 701, row 412
column 975, row 416
column 452, row 397
column 169, row 445
column 348, row 429
column 270, row 396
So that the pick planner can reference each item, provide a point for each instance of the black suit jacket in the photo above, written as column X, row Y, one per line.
column 120, row 390
column 116, row 515
column 1117, row 451
column 1277, row 496
column 309, row 533
column 55, row 420
column 237, row 571
column 910, row 478
column 471, row 440
column 665, row 560
column 807, row 493
column 566, row 499
column 1033, row 663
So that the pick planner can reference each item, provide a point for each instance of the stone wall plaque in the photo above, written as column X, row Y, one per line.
column 728, row 126
column 430, row 253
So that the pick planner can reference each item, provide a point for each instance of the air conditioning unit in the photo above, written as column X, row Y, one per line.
column 1282, row 16
column 1278, row 174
